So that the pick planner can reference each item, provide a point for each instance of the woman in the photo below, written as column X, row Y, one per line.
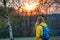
column 39, row 29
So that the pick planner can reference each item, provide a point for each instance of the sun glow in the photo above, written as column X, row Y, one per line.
column 29, row 6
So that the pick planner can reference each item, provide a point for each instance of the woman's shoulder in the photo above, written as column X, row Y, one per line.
column 39, row 27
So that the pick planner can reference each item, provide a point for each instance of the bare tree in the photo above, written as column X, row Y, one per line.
column 8, row 20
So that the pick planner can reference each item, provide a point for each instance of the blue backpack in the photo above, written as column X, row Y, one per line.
column 46, row 33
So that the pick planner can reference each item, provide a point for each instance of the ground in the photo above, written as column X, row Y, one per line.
column 32, row 38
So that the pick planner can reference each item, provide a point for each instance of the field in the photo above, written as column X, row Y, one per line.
column 32, row 38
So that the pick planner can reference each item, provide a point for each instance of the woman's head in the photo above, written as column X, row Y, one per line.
column 39, row 20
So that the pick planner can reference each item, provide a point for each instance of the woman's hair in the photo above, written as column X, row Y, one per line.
column 39, row 20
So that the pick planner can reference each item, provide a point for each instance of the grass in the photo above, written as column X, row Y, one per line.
column 32, row 38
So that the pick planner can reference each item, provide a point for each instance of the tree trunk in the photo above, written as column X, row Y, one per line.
column 8, row 20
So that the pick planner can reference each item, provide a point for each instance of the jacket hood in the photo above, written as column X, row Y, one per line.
column 43, row 24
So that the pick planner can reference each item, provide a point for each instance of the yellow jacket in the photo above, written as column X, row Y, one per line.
column 39, row 30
